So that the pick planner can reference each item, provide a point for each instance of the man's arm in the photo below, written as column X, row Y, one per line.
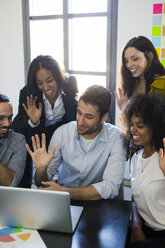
column 6, row 175
column 85, row 193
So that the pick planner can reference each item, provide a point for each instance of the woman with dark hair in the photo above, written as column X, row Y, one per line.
column 141, row 70
column 144, row 120
column 47, row 101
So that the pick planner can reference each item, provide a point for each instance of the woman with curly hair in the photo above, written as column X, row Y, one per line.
column 140, row 72
column 144, row 120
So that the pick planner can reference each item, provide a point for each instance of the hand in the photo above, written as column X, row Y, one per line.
column 51, row 186
column 32, row 111
column 162, row 158
column 40, row 156
column 121, row 99
column 137, row 234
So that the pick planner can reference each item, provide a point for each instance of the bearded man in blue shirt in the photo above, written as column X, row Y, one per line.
column 87, row 156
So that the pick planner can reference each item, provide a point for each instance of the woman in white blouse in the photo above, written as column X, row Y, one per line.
column 45, row 103
column 144, row 120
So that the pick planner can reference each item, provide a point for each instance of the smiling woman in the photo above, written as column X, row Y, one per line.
column 47, row 101
column 141, row 70
column 145, row 125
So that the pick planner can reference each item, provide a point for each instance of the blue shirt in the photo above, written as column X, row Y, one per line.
column 102, row 166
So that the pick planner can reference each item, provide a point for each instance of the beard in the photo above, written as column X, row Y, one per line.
column 90, row 130
column 3, row 135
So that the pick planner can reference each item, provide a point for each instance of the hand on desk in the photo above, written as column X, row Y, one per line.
column 39, row 154
column 51, row 186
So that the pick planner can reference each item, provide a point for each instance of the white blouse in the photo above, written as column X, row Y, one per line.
column 148, row 189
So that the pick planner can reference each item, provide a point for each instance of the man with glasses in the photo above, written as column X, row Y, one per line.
column 12, row 147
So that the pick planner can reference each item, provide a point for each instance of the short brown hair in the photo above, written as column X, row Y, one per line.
column 99, row 96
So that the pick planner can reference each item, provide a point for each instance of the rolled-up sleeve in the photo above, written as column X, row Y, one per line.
column 114, row 171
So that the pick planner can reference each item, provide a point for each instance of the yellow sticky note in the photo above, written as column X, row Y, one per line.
column 158, row 51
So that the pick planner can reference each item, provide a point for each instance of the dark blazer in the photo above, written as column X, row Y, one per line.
column 20, row 122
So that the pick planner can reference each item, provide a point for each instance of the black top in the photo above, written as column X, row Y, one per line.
column 20, row 122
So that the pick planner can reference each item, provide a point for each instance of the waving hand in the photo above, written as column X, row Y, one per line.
column 39, row 154
column 32, row 111
column 121, row 99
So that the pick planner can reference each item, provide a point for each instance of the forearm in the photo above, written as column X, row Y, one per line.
column 6, row 175
column 84, row 193
column 137, row 232
column 41, row 175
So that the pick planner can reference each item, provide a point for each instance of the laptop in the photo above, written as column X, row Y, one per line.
column 38, row 209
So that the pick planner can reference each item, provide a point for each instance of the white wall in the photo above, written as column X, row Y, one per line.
column 134, row 19
column 11, row 50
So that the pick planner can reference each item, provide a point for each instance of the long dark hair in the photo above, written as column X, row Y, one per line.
column 154, row 67
column 45, row 62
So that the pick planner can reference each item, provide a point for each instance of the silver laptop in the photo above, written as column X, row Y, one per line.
column 38, row 209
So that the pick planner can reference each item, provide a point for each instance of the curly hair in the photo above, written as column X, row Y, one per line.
column 154, row 67
column 151, row 110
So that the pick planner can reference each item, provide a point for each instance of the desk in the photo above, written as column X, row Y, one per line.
column 103, row 224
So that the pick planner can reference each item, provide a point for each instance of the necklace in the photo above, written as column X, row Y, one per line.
column 144, row 163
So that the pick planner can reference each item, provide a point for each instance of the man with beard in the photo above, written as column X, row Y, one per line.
column 12, row 147
column 87, row 156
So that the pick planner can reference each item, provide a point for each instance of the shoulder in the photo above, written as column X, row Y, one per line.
column 66, row 129
column 112, row 129
column 159, row 84
column 16, row 137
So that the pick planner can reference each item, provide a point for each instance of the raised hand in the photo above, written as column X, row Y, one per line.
column 31, row 109
column 121, row 99
column 162, row 158
column 39, row 154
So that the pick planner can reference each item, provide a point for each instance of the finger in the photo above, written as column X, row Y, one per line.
column 29, row 150
column 116, row 95
column 38, row 145
column 34, row 101
column 25, row 108
column 53, row 149
column 34, row 143
column 31, row 100
column 40, row 106
column 47, row 183
column 164, row 143
column 160, row 153
column 121, row 93
column 43, row 141
column 28, row 102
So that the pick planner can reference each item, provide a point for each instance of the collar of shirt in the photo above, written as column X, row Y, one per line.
column 102, row 136
column 58, row 110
